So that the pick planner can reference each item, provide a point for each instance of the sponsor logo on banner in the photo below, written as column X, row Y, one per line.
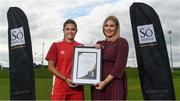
column 17, row 36
column 146, row 34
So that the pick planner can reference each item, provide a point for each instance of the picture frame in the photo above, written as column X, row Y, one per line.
column 86, row 65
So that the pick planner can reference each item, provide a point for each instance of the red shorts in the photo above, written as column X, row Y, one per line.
column 77, row 96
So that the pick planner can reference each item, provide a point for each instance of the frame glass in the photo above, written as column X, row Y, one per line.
column 86, row 65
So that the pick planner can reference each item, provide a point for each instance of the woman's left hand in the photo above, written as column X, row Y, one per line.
column 70, row 83
column 100, row 85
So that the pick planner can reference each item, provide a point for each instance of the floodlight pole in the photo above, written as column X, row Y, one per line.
column 170, row 47
column 42, row 62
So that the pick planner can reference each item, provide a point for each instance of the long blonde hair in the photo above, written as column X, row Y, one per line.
column 115, row 19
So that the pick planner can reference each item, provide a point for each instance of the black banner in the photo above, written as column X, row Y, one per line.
column 153, row 62
column 22, row 84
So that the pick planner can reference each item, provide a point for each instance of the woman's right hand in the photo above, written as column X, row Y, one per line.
column 70, row 83
column 98, row 46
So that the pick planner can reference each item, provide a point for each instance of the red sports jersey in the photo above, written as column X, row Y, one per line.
column 62, row 53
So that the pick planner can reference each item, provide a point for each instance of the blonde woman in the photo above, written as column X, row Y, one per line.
column 114, row 58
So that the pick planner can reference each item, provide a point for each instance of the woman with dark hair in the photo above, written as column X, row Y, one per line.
column 59, row 59
column 114, row 58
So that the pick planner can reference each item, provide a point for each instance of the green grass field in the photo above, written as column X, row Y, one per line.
column 43, row 85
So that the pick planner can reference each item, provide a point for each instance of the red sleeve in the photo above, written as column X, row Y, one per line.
column 52, row 53
column 121, row 59
column 99, row 42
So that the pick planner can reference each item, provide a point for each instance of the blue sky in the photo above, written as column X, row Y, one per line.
column 84, row 10
column 77, row 12
column 46, row 18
